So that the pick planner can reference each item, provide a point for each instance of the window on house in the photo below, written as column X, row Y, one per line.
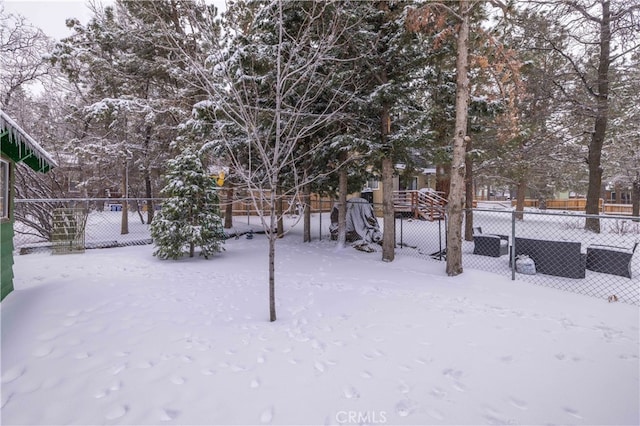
column 373, row 184
column 4, row 189
column 413, row 184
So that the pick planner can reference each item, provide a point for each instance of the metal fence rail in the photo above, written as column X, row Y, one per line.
column 565, row 255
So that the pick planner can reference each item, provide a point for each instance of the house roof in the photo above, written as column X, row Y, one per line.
column 19, row 146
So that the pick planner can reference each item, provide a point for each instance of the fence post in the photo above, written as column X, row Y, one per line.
column 320, row 227
column 513, row 245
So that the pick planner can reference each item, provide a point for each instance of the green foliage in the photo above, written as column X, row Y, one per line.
column 189, row 217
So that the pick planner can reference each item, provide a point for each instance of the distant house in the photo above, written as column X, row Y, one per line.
column 16, row 146
column 419, row 179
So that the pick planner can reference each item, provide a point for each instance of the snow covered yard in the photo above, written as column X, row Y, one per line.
column 116, row 336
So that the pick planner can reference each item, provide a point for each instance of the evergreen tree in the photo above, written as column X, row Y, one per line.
column 190, row 214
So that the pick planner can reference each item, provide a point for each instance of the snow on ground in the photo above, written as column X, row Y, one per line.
column 116, row 336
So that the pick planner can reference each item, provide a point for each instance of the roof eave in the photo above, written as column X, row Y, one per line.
column 25, row 148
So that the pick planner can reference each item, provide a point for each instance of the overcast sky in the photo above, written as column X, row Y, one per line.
column 50, row 15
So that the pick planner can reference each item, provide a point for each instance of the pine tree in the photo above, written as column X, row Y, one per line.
column 190, row 214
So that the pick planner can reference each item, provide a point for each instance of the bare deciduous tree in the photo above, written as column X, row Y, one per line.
column 268, row 95
column 22, row 49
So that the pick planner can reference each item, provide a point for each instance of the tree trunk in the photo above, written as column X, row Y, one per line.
column 192, row 222
column 124, row 224
column 306, row 201
column 635, row 197
column 388, row 219
column 456, row 194
column 147, row 175
column 602, row 115
column 228, row 209
column 388, row 222
column 342, row 204
column 468, row 190
column 520, row 197
column 272, row 261
column 280, row 212
column 149, row 195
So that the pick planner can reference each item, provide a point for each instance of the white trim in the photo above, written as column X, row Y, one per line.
column 4, row 189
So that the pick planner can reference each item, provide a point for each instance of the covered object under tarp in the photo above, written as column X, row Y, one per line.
column 362, row 225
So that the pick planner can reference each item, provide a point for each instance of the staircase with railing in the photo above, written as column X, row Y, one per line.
column 420, row 204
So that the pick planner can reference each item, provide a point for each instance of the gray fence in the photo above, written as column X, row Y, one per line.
column 564, row 255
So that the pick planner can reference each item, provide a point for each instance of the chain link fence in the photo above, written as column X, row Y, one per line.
column 117, row 222
column 549, row 249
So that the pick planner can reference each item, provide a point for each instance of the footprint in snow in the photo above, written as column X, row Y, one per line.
column 366, row 375
column 82, row 355
column 367, row 356
column 506, row 359
column 315, row 344
column 238, row 368
column 451, row 373
column 117, row 369
column 438, row 393
column 404, row 408
column 573, row 413
column 518, row 403
column 116, row 412
column 267, row 415
column 166, row 414
column 101, row 393
column 178, row 380
column 460, row 387
column 351, row 393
